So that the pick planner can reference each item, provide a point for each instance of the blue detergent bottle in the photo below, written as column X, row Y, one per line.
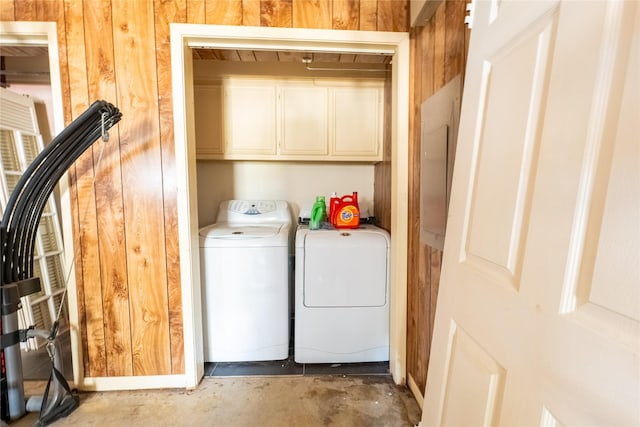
column 318, row 213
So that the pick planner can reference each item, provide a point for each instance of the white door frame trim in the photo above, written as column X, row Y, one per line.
column 45, row 34
column 39, row 34
column 186, row 36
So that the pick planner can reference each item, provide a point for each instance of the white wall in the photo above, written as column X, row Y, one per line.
column 297, row 183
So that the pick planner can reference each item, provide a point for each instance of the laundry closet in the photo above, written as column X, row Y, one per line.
column 287, row 126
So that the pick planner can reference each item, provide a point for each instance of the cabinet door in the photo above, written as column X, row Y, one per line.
column 208, row 120
column 357, row 128
column 250, row 120
column 303, row 120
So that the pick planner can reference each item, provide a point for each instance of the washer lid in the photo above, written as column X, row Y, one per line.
column 241, row 232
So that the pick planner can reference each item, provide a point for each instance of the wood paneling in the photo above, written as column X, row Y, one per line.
column 438, row 49
column 134, row 43
column 416, row 70
column 419, row 266
column 7, row 10
column 123, row 192
column 108, row 190
column 384, row 16
column 223, row 12
column 427, row 59
column 195, row 11
column 369, row 15
column 346, row 14
column 47, row 10
column 392, row 15
column 26, row 10
column 312, row 14
column 88, row 271
column 382, row 170
column 425, row 270
column 435, row 264
column 454, row 41
column 274, row 13
column 55, row 12
column 439, row 54
column 251, row 12
column 165, row 13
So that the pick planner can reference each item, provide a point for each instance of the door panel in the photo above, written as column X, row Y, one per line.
column 512, row 85
column 475, row 381
column 249, row 115
column 537, row 318
column 357, row 121
column 304, row 120
column 609, row 275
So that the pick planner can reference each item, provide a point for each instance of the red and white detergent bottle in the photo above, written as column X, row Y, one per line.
column 344, row 211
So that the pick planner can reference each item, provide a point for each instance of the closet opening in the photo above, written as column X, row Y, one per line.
column 236, row 41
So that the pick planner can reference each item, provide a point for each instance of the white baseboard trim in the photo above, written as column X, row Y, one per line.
column 132, row 383
column 415, row 390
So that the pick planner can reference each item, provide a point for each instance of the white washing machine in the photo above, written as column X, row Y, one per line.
column 245, row 282
column 341, row 295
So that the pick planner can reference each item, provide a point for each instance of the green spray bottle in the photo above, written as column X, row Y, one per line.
column 318, row 213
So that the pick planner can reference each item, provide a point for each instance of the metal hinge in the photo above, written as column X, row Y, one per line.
column 468, row 19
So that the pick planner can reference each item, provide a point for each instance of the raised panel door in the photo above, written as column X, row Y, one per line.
column 538, row 315
column 249, row 114
column 208, row 120
column 357, row 122
column 303, row 120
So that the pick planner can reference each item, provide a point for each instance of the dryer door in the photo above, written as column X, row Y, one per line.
column 345, row 269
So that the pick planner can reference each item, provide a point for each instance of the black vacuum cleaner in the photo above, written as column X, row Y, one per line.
column 18, row 230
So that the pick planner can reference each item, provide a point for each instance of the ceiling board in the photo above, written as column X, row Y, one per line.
column 287, row 56
column 266, row 55
column 245, row 55
column 24, row 51
column 291, row 56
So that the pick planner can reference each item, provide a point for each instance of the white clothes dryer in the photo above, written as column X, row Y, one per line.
column 244, row 261
column 341, row 295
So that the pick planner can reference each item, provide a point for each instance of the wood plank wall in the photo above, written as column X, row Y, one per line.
column 125, row 223
column 382, row 170
column 438, row 52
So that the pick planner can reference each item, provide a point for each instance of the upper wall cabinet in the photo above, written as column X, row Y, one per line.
column 304, row 120
column 357, row 122
column 208, row 118
column 301, row 120
column 249, row 120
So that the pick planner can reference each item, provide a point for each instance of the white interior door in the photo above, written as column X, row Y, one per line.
column 539, row 306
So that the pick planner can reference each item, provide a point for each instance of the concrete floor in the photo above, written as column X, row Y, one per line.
column 325, row 400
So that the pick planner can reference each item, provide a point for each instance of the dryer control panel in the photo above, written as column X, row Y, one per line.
column 252, row 207
column 254, row 211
